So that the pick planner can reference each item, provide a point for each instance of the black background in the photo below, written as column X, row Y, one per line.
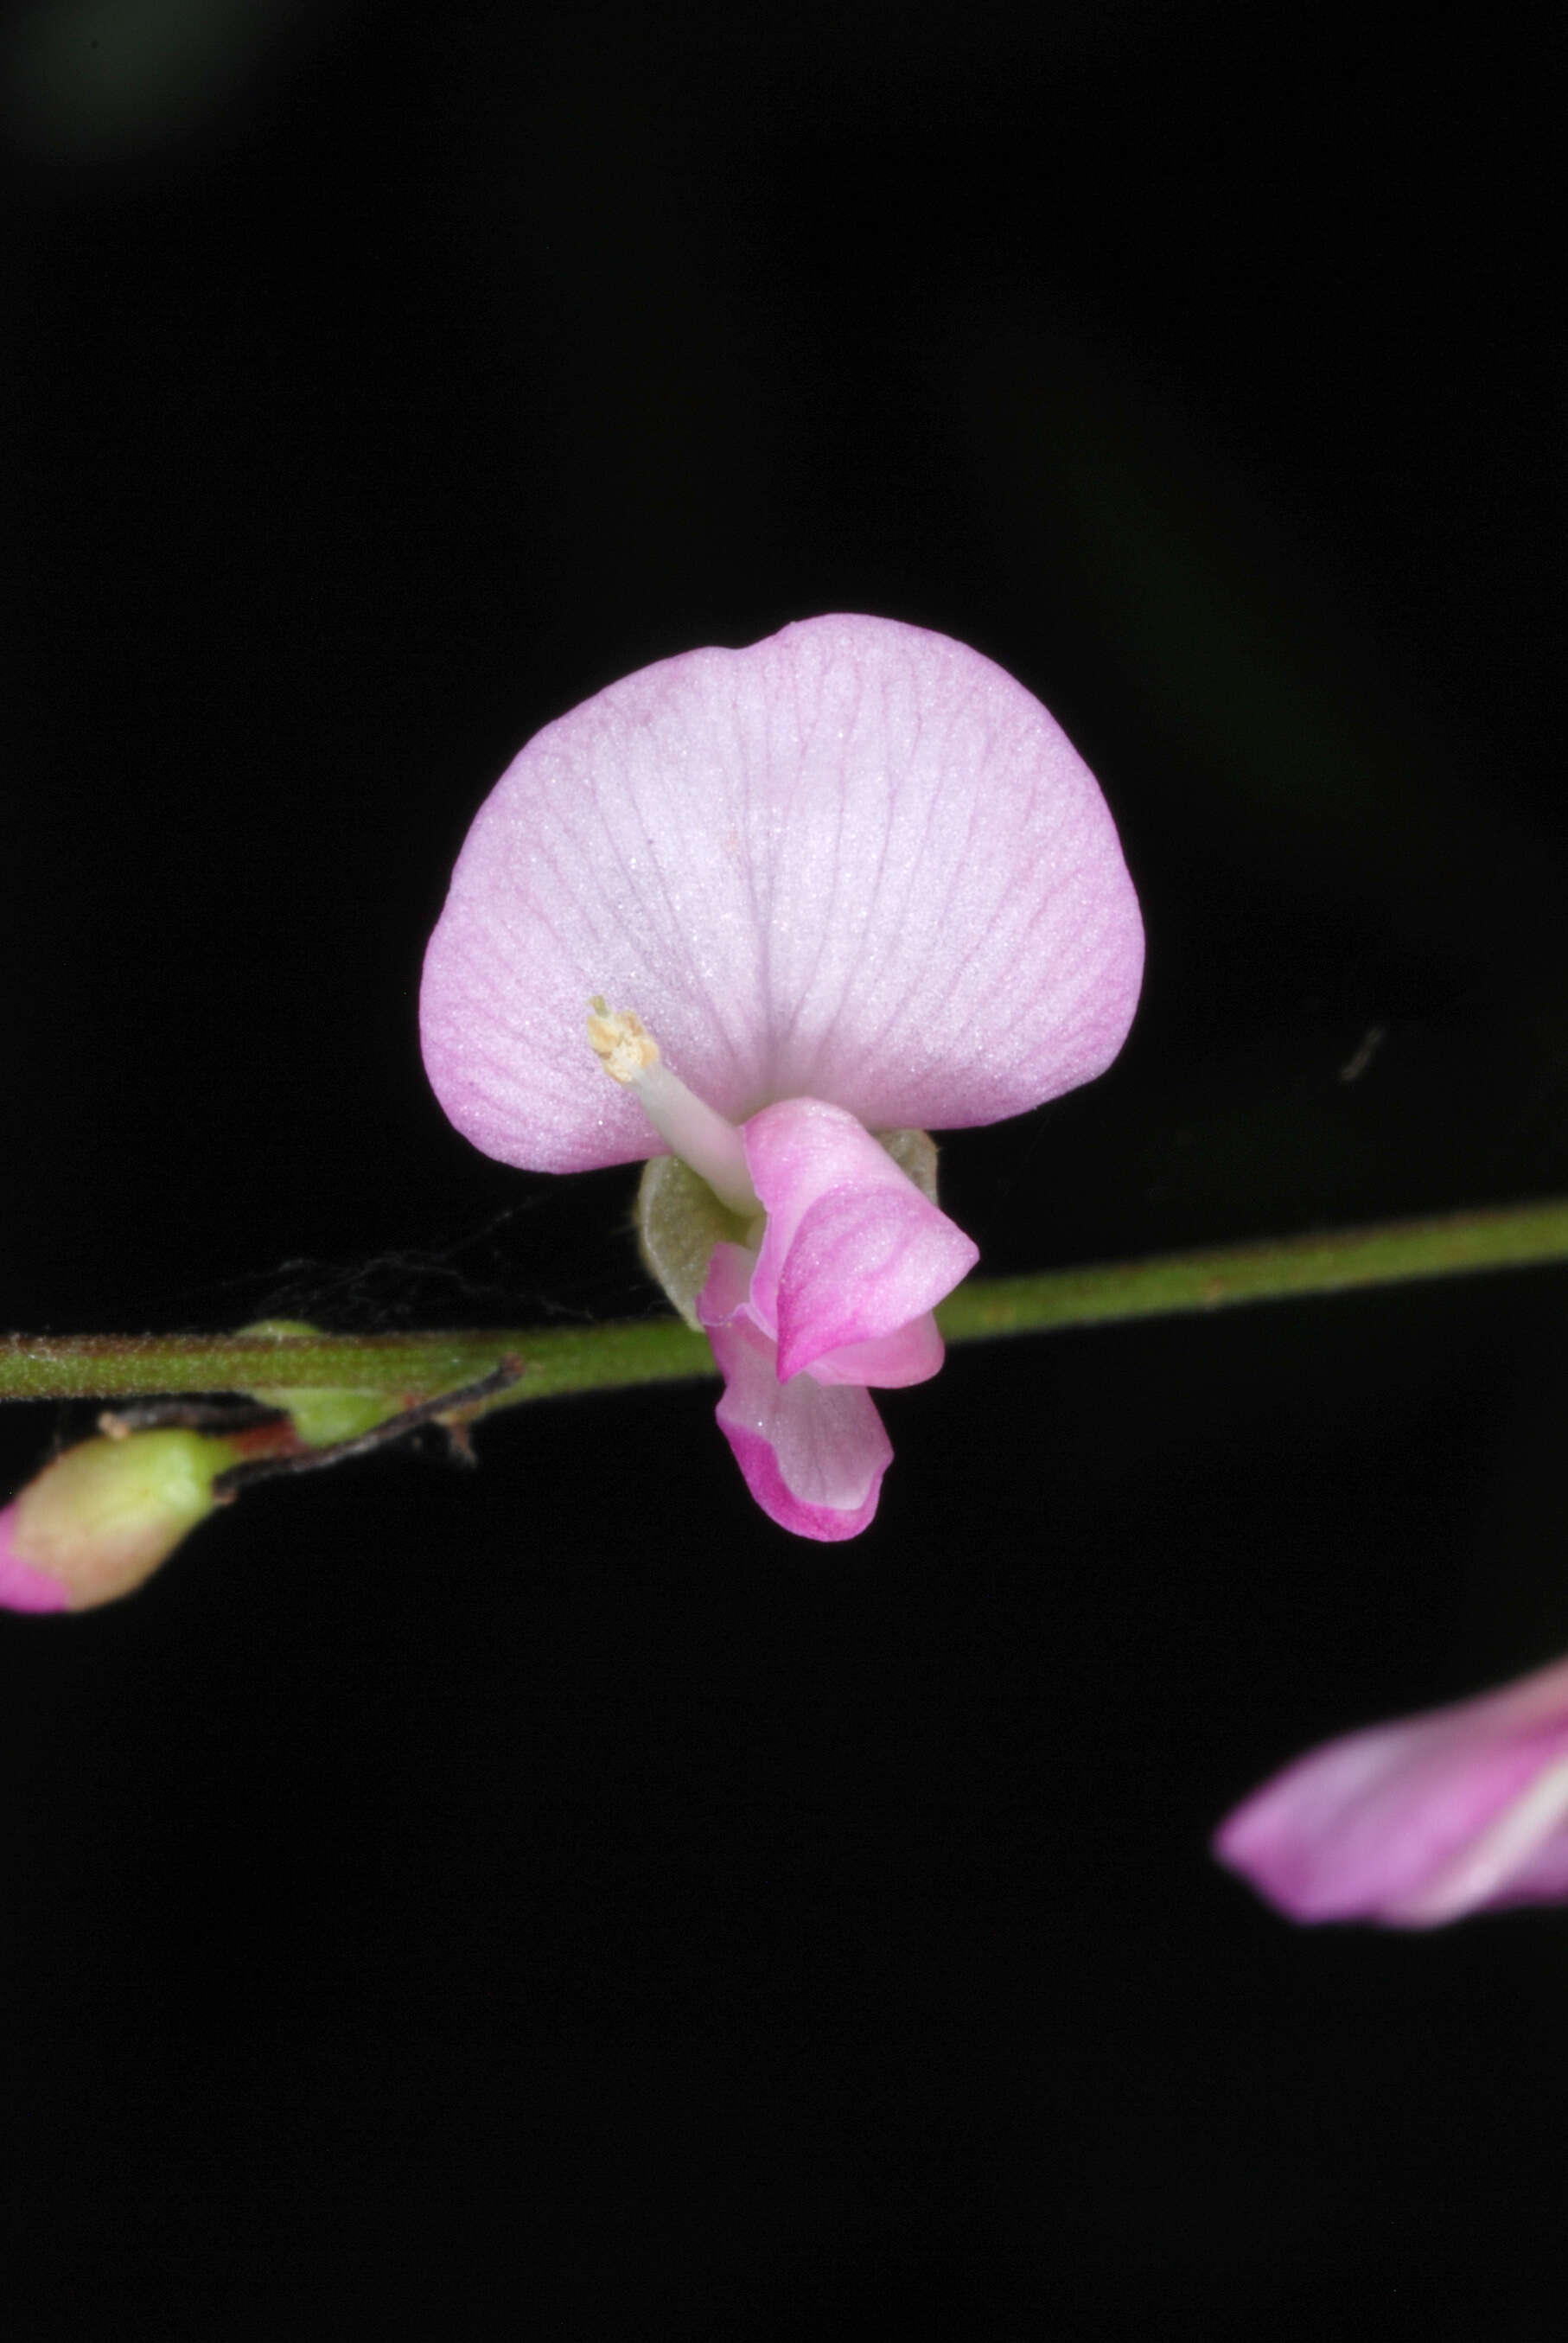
column 550, row 1900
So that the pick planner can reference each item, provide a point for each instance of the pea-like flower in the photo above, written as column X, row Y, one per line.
column 814, row 898
column 1455, row 1810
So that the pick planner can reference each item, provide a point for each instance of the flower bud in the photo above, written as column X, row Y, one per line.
column 103, row 1516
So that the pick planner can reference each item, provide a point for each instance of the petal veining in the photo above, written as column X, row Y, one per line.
column 855, row 862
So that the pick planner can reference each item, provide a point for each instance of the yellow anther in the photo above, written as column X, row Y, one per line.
column 620, row 1042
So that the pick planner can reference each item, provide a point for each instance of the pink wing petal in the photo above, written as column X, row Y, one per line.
column 913, row 1355
column 812, row 1458
column 852, row 1250
column 1418, row 1821
column 855, row 862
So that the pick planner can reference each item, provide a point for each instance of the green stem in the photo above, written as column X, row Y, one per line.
column 557, row 1359
column 1275, row 1269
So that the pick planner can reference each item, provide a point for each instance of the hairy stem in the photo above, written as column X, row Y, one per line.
column 415, row 1368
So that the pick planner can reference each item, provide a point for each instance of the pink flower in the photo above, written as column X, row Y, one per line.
column 1455, row 1811
column 852, row 880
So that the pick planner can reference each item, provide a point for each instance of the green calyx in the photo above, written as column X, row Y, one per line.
column 679, row 1220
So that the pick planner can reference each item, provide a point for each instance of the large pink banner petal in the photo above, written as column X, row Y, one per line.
column 857, row 863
